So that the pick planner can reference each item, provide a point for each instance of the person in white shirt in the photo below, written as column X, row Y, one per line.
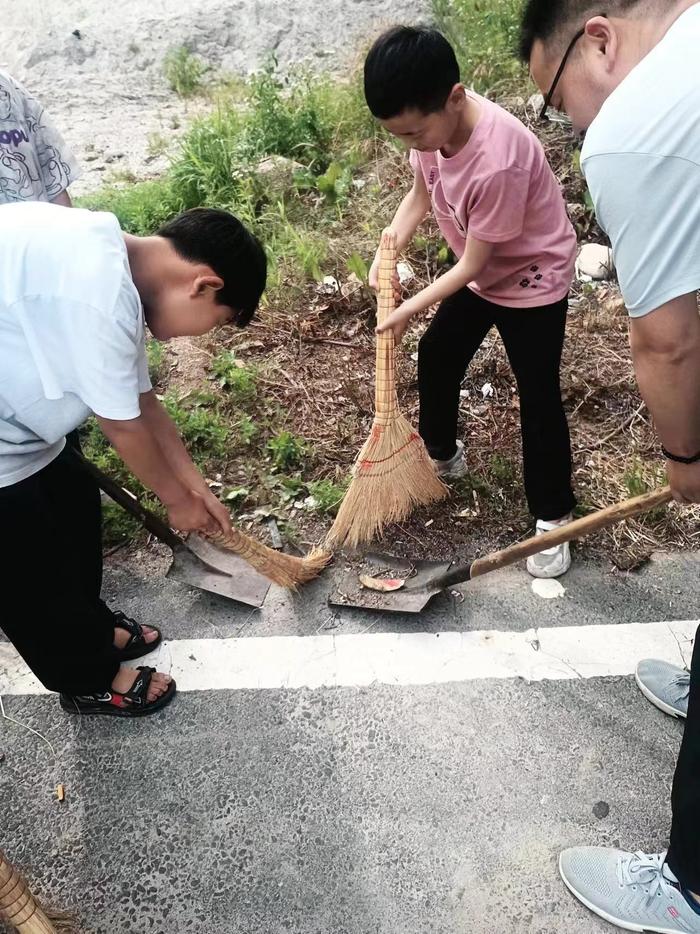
column 628, row 73
column 75, row 296
column 35, row 162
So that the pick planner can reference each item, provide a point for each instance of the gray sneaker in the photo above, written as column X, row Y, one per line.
column 635, row 891
column 553, row 562
column 455, row 467
column 665, row 685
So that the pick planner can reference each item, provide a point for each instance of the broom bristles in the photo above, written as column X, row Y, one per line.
column 22, row 911
column 393, row 474
column 286, row 570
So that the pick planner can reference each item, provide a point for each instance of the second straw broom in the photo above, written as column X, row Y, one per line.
column 393, row 472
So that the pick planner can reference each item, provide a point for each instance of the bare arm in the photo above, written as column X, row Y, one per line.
column 666, row 353
column 411, row 212
column 63, row 199
column 476, row 255
column 164, row 430
column 139, row 448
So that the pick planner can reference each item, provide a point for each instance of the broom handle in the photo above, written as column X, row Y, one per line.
column 17, row 904
column 385, row 386
column 578, row 529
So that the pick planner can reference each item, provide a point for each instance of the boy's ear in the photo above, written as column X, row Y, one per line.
column 201, row 283
column 456, row 94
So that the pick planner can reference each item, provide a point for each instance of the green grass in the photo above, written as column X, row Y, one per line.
column 237, row 380
column 183, row 71
column 484, row 34
column 287, row 450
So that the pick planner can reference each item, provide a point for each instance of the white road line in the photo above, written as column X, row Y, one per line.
column 555, row 653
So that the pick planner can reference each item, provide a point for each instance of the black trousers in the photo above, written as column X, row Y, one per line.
column 684, row 852
column 51, row 568
column 533, row 338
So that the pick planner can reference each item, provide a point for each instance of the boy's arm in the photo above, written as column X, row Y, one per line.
column 165, row 431
column 409, row 215
column 476, row 255
column 139, row 447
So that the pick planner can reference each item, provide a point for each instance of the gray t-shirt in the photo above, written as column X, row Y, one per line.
column 35, row 163
column 641, row 159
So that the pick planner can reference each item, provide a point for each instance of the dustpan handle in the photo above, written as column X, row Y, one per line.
column 148, row 519
column 578, row 529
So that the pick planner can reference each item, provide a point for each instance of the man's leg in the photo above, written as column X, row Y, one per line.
column 455, row 334
column 684, row 852
column 534, row 339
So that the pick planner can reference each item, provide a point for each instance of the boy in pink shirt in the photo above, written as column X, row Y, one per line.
column 501, row 210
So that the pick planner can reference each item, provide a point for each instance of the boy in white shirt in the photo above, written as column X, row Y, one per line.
column 74, row 292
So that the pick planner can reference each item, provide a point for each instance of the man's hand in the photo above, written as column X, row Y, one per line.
column 397, row 321
column 685, row 481
column 193, row 512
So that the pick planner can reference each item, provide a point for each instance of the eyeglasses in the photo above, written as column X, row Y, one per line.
column 550, row 94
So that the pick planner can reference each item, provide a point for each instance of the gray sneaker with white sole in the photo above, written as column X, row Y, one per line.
column 635, row 891
column 666, row 686
column 455, row 467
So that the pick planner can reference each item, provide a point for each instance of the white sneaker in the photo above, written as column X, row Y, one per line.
column 554, row 561
column 455, row 467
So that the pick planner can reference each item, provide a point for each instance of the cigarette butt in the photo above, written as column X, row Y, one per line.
column 60, row 792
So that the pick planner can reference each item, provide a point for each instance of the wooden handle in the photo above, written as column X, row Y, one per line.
column 149, row 520
column 385, row 381
column 17, row 905
column 578, row 529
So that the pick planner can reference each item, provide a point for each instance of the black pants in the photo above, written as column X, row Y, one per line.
column 684, row 852
column 533, row 338
column 51, row 568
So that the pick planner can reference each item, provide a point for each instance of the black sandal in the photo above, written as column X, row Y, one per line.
column 132, row 704
column 137, row 645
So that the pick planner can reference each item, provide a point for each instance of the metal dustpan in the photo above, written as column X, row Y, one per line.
column 413, row 584
column 196, row 562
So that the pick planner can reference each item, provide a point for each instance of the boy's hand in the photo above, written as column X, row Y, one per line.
column 194, row 512
column 374, row 280
column 397, row 322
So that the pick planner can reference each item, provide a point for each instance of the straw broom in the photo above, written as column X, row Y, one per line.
column 20, row 909
column 285, row 570
column 393, row 472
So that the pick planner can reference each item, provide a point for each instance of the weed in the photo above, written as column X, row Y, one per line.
column 245, row 430
column 484, row 34
column 157, row 361
column 328, row 495
column 357, row 265
column 286, row 450
column 237, row 379
column 502, row 469
column 183, row 71
column 157, row 144
column 204, row 433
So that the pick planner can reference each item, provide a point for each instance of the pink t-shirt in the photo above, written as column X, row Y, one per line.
column 499, row 188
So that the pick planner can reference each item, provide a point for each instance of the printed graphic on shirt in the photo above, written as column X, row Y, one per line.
column 35, row 163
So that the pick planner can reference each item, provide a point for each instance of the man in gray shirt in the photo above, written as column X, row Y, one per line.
column 628, row 72
column 35, row 163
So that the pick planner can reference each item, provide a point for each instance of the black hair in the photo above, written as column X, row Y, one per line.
column 220, row 240
column 409, row 67
column 547, row 19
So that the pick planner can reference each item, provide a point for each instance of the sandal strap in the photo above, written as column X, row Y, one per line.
column 135, row 630
column 137, row 695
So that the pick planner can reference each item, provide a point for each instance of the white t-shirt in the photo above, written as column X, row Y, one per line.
column 641, row 159
column 71, row 331
column 35, row 163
